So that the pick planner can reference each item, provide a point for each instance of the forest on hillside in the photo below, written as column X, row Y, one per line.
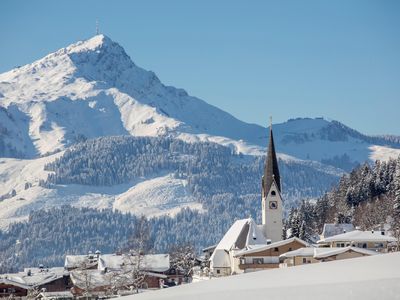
column 49, row 235
column 368, row 197
column 210, row 169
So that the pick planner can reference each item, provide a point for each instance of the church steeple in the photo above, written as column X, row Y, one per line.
column 271, row 200
column 271, row 169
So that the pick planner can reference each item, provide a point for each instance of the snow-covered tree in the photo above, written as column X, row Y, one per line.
column 183, row 258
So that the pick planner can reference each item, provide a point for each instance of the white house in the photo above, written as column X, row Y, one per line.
column 372, row 240
column 310, row 255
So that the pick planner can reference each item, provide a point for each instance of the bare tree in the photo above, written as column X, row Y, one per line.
column 133, row 271
column 33, row 293
column 84, row 278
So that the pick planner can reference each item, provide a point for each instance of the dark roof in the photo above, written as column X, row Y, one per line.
column 271, row 170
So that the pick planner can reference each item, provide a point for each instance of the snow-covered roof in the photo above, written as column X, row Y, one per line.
column 304, row 252
column 150, row 262
column 35, row 277
column 359, row 236
column 334, row 229
column 242, row 234
column 318, row 253
column 56, row 295
column 99, row 279
column 5, row 280
column 76, row 261
column 93, row 278
column 259, row 248
column 337, row 251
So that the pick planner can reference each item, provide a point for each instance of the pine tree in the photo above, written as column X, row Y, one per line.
column 396, row 205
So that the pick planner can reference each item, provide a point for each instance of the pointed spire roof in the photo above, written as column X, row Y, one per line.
column 271, row 170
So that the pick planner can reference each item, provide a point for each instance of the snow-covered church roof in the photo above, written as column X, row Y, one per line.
column 241, row 235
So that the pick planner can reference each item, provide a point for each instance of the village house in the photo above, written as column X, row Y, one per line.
column 371, row 240
column 41, row 279
column 117, row 272
column 310, row 255
column 262, row 257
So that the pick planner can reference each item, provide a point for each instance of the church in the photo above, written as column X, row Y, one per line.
column 247, row 246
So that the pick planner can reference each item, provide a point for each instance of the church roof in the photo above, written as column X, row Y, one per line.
column 271, row 170
column 242, row 234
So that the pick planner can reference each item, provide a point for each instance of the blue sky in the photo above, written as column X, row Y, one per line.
column 337, row 59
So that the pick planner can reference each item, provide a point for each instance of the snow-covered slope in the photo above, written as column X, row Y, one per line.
column 331, row 142
column 373, row 277
column 149, row 196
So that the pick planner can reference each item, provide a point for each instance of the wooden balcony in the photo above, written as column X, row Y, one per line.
column 258, row 266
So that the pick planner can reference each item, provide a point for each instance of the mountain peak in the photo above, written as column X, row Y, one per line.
column 94, row 43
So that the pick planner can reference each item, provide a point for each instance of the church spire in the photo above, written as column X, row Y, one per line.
column 271, row 170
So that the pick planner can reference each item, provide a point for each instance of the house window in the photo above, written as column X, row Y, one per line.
column 276, row 249
column 304, row 260
column 290, row 248
column 218, row 271
column 273, row 193
column 258, row 261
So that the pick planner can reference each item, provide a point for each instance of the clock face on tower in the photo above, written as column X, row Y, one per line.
column 273, row 204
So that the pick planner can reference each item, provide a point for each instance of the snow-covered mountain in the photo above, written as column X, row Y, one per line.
column 93, row 89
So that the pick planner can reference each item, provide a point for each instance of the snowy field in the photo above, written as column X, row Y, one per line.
column 374, row 277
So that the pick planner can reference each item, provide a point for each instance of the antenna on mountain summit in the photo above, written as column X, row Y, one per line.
column 270, row 122
column 97, row 27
